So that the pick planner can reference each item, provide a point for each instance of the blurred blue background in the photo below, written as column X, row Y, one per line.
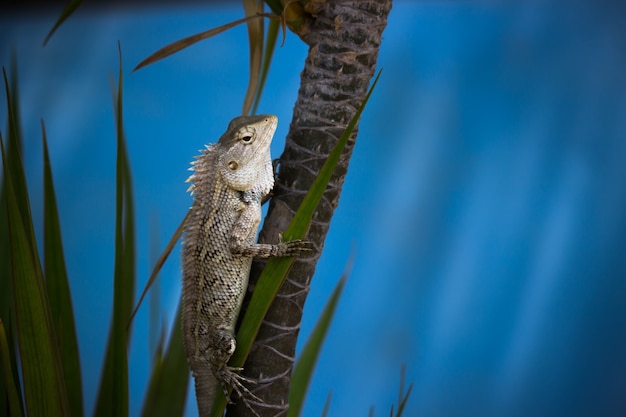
column 486, row 198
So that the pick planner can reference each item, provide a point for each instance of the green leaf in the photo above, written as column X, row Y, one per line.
column 181, row 44
column 43, row 380
column 14, row 403
column 303, row 370
column 327, row 405
column 255, row 39
column 113, row 393
column 275, row 5
column 159, row 264
column 276, row 269
column 15, row 157
column 156, row 325
column 270, row 46
column 302, row 219
column 67, row 12
column 403, row 397
column 167, row 390
column 7, row 313
column 58, row 289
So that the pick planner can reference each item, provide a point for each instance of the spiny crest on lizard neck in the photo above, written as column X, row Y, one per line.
column 241, row 157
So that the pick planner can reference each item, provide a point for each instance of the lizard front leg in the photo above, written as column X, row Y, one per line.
column 244, row 233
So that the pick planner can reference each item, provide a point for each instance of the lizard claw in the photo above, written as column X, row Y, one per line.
column 294, row 247
column 230, row 377
column 298, row 247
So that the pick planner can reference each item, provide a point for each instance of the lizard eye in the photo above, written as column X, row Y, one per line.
column 246, row 135
column 233, row 165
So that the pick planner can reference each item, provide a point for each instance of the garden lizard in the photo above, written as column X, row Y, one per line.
column 229, row 181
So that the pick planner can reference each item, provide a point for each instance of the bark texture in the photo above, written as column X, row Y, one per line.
column 344, row 40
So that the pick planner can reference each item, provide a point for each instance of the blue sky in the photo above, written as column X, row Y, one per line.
column 486, row 198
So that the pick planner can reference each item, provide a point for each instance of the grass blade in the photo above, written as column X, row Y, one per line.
column 270, row 45
column 181, row 44
column 156, row 324
column 255, row 40
column 403, row 397
column 43, row 381
column 44, row 387
column 58, row 289
column 67, row 12
column 275, row 5
column 327, row 405
column 302, row 219
column 169, row 382
column 276, row 269
column 14, row 158
column 7, row 313
column 159, row 264
column 14, row 403
column 303, row 370
column 113, row 394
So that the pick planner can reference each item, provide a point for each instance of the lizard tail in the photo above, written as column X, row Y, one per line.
column 206, row 392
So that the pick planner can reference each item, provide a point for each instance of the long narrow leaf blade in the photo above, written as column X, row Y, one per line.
column 59, row 290
column 403, row 397
column 297, row 229
column 303, row 370
column 67, row 12
column 113, row 394
column 15, row 157
column 7, row 314
column 43, row 381
column 181, row 44
column 255, row 40
column 327, row 405
column 156, row 325
column 276, row 269
column 270, row 45
column 159, row 264
column 13, row 400
column 302, row 219
column 169, row 382
column 44, row 386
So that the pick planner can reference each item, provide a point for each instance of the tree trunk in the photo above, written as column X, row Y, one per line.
column 344, row 39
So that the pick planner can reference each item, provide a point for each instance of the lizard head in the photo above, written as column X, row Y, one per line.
column 245, row 161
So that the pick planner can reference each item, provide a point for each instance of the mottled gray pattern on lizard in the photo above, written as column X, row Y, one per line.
column 230, row 179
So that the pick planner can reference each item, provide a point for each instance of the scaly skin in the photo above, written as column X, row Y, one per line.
column 230, row 180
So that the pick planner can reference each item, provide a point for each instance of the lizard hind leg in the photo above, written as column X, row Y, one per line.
column 224, row 346
column 229, row 377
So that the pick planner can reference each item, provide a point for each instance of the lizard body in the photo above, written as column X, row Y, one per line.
column 230, row 179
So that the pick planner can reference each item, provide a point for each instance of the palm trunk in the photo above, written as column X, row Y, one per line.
column 344, row 39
